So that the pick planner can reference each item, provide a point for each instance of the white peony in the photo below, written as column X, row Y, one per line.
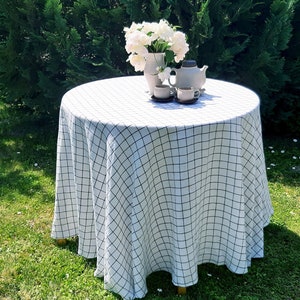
column 164, row 74
column 164, row 31
column 179, row 46
column 137, row 61
column 148, row 27
column 145, row 37
column 128, row 30
column 137, row 42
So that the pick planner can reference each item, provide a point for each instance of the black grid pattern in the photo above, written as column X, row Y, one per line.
column 188, row 188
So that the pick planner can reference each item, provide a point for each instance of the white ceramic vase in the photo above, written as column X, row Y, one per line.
column 153, row 60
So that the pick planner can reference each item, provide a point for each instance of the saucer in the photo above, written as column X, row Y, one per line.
column 163, row 100
column 190, row 101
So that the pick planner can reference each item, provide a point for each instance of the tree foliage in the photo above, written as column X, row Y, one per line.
column 48, row 47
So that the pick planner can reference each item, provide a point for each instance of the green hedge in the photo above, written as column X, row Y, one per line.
column 48, row 47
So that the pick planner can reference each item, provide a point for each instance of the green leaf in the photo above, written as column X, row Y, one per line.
column 169, row 56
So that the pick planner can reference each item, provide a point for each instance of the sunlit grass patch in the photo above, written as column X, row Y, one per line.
column 283, row 170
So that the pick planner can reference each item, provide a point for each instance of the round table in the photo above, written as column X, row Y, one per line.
column 150, row 186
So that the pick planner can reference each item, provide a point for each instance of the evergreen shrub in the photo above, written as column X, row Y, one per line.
column 48, row 47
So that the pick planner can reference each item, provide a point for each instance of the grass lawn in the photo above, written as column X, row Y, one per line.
column 32, row 266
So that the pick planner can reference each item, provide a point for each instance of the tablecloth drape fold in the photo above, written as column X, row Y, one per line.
column 166, row 197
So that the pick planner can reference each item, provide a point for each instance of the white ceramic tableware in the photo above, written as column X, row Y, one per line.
column 162, row 91
column 187, row 93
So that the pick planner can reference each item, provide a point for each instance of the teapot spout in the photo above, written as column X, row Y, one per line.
column 204, row 68
column 203, row 75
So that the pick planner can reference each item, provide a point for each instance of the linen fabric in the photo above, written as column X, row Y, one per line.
column 152, row 186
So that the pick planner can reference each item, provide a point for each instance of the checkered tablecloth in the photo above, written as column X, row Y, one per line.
column 152, row 186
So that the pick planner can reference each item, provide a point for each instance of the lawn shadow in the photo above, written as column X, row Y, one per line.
column 276, row 276
column 16, row 182
column 26, row 145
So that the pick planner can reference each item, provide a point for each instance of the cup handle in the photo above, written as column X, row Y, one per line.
column 169, row 79
column 196, row 93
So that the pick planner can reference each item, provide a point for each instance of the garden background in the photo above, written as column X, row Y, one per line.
column 48, row 47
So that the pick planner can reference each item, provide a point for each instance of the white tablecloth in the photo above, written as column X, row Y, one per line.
column 152, row 186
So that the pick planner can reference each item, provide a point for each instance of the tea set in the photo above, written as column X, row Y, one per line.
column 189, row 80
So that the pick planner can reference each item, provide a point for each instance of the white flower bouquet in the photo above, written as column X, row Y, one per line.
column 144, row 38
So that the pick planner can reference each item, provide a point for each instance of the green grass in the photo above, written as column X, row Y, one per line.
column 32, row 266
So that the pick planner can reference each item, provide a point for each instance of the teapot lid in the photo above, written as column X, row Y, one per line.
column 189, row 63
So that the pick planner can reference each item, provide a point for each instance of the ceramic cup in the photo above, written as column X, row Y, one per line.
column 187, row 93
column 161, row 91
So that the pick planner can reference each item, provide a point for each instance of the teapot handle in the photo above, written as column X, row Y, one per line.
column 169, row 79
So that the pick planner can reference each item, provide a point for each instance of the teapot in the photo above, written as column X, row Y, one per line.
column 189, row 75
